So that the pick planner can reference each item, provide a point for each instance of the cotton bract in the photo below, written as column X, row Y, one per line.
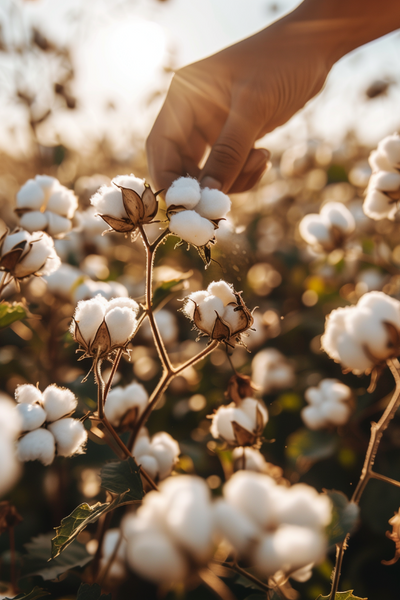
column 219, row 312
column 124, row 405
column 330, row 228
column 101, row 326
column 383, row 192
column 44, row 204
column 194, row 212
column 44, row 418
column 157, row 455
column 172, row 532
column 362, row 336
column 239, row 424
column 271, row 371
column 273, row 527
column 23, row 254
column 329, row 404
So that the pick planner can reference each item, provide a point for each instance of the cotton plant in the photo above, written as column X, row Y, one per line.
column 329, row 229
column 46, row 425
column 329, row 405
column 383, row 191
column 43, row 204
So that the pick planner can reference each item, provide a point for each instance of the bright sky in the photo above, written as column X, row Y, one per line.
column 120, row 47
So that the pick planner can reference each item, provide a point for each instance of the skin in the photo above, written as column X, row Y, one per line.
column 224, row 103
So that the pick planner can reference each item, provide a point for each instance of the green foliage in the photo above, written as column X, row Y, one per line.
column 167, row 289
column 9, row 313
column 39, row 554
column 91, row 592
column 37, row 592
column 123, row 478
column 344, row 517
column 306, row 447
column 342, row 596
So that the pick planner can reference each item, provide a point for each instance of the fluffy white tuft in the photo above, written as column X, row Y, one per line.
column 28, row 394
column 222, row 290
column 108, row 201
column 32, row 416
column 121, row 400
column 89, row 315
column 58, row 402
column 184, row 191
column 37, row 445
column 121, row 323
column 191, row 227
column 70, row 435
column 213, row 204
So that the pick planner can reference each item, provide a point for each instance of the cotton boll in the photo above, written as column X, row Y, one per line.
column 390, row 148
column 62, row 201
column 154, row 556
column 251, row 408
column 166, row 451
column 123, row 303
column 379, row 162
column 30, row 195
column 40, row 257
column 337, row 413
column 302, row 505
column 57, row 225
column 378, row 206
column 32, row 416
column 131, row 182
column 70, row 435
column 271, row 371
column 222, row 290
column 34, row 221
column 191, row 227
column 233, row 318
column 10, row 421
column 121, row 323
column 382, row 307
column 221, row 425
column 191, row 302
column 213, row 204
column 149, row 463
column 253, row 459
column 253, row 494
column 37, row 445
column 386, row 182
column 10, row 468
column 235, row 526
column 184, row 191
column 58, row 402
column 142, row 444
column 89, row 315
column 46, row 182
column 28, row 394
column 121, row 400
column 266, row 558
column 108, row 201
column 313, row 418
column 208, row 310
column 339, row 216
column 303, row 574
column 61, row 281
column 316, row 230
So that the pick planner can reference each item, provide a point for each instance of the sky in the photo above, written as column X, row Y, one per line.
column 121, row 46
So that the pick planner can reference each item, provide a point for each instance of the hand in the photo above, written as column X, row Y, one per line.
column 230, row 100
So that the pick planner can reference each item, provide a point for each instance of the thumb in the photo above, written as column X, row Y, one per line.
column 229, row 153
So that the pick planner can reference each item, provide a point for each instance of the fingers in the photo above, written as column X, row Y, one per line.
column 252, row 171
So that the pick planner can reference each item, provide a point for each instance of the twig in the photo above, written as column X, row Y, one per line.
column 216, row 585
column 110, row 561
column 394, row 482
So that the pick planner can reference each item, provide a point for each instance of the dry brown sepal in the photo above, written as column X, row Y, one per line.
column 394, row 535
column 379, row 364
column 239, row 387
column 140, row 210
column 10, row 260
column 100, row 346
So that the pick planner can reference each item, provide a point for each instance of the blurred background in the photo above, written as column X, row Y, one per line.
column 80, row 85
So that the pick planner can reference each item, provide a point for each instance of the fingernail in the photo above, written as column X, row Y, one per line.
column 266, row 152
column 211, row 183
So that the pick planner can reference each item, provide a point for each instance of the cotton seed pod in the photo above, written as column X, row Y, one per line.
column 240, row 425
column 365, row 335
column 329, row 405
column 127, row 203
column 124, row 405
column 23, row 254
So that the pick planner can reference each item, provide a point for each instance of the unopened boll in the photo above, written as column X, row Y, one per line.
column 383, row 191
column 250, row 415
column 273, row 527
column 329, row 404
column 44, row 204
column 157, row 455
column 23, row 254
column 271, row 371
column 330, row 228
column 122, row 401
column 195, row 212
column 172, row 532
column 361, row 336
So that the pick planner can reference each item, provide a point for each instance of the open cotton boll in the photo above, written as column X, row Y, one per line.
column 271, row 371
column 191, row 227
column 302, row 505
column 253, row 494
column 251, row 407
column 37, row 445
column 148, row 462
column 89, row 315
column 62, row 281
column 58, row 402
column 62, row 201
column 34, row 221
column 234, row 525
column 390, row 148
column 166, row 451
column 208, row 310
column 121, row 323
column 131, row 182
column 315, row 230
column 108, row 201
column 40, row 257
column 213, row 204
column 253, row 459
column 193, row 299
column 385, row 182
column 57, row 224
column 184, row 191
column 313, row 418
column 339, row 216
column 12, row 239
column 70, row 435
column 378, row 206
column 154, row 556
column 380, row 162
column 221, row 425
column 122, row 302
column 28, row 394
column 121, row 400
column 31, row 195
column 32, row 416
column 222, row 290
column 336, row 413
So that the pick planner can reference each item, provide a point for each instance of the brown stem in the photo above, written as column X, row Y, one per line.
column 110, row 561
column 11, row 535
column 216, row 585
column 114, row 368
column 377, row 431
column 394, row 482
column 235, row 567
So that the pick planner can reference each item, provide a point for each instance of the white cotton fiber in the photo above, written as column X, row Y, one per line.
column 58, row 402
column 121, row 323
column 390, row 148
column 108, row 201
column 34, row 221
column 131, row 182
column 148, row 462
column 184, row 191
column 121, row 400
column 28, row 394
column 40, row 257
column 32, row 416
column 123, row 302
column 221, row 426
column 37, row 445
column 378, row 206
column 166, row 451
column 192, row 300
column 253, row 494
column 62, row 201
column 235, row 526
column 57, row 224
column 222, row 290
column 89, row 315
column 208, row 311
column 30, row 196
column 315, row 230
column 12, row 239
column 379, row 162
column 313, row 418
column 254, row 460
column 213, row 204
column 70, row 435
column 386, row 182
column 191, row 227
column 339, row 216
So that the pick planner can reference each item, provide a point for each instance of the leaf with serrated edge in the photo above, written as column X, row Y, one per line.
column 36, row 562
column 344, row 517
column 37, row 592
column 91, row 592
column 123, row 478
column 133, row 205
column 9, row 313
column 150, row 205
column 342, row 596
column 119, row 225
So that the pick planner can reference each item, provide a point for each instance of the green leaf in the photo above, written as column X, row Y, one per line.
column 306, row 447
column 9, row 313
column 344, row 517
column 39, row 553
column 37, row 592
column 167, row 288
column 123, row 478
column 342, row 596
column 91, row 592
